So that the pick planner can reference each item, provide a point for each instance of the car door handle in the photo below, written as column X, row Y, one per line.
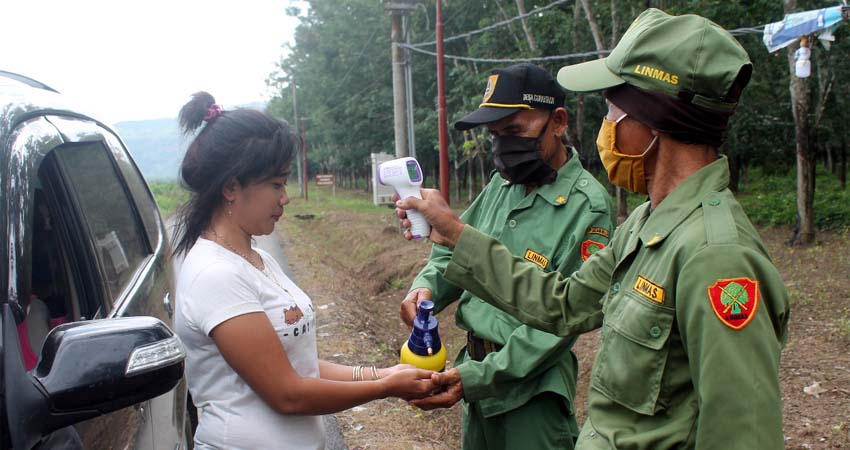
column 169, row 307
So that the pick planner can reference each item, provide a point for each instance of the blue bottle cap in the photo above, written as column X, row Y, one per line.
column 425, row 338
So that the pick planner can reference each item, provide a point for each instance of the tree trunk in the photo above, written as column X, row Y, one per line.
column 594, row 27
column 479, row 151
column 804, row 232
column 532, row 45
column 615, row 23
column 470, row 181
column 830, row 160
column 481, row 171
column 505, row 15
column 842, row 171
column 457, row 182
column 576, row 131
column 622, row 195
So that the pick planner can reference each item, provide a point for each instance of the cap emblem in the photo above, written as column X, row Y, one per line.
column 491, row 87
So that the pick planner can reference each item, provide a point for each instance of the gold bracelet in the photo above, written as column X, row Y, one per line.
column 374, row 371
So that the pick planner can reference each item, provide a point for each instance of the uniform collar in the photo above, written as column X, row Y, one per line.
column 680, row 203
column 558, row 192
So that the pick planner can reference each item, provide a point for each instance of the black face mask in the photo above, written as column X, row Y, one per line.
column 519, row 160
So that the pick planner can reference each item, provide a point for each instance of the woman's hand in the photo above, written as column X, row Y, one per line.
column 387, row 371
column 408, row 384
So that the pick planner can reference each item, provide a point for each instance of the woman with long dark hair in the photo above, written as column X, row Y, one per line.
column 252, row 365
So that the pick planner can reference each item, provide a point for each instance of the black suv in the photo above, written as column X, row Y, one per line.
column 87, row 360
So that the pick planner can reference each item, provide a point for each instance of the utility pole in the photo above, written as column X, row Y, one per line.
column 441, row 111
column 301, row 190
column 398, row 9
column 304, row 178
column 408, row 81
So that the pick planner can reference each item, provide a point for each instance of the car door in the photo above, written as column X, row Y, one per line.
column 75, row 257
column 132, row 246
column 89, row 244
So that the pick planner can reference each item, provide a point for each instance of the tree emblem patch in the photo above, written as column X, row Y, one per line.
column 734, row 301
column 589, row 247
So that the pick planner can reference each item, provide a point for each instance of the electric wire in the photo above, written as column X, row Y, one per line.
column 759, row 29
column 510, row 60
column 495, row 25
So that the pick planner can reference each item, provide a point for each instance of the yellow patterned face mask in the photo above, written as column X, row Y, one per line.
column 626, row 171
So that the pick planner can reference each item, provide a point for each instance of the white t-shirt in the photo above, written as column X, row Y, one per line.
column 214, row 285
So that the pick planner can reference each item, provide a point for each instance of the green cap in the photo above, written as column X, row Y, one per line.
column 687, row 57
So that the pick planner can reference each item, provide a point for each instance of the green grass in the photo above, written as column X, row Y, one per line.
column 772, row 199
column 768, row 199
column 169, row 196
column 321, row 199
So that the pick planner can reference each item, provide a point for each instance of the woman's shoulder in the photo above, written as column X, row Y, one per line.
column 206, row 261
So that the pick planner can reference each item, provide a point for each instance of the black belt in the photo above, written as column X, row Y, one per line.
column 478, row 348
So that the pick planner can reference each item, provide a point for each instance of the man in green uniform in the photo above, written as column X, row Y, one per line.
column 518, row 383
column 693, row 313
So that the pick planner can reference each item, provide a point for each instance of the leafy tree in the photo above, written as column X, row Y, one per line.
column 340, row 64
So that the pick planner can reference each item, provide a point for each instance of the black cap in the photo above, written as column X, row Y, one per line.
column 512, row 89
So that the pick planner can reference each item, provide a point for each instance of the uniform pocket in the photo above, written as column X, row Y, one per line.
column 630, row 366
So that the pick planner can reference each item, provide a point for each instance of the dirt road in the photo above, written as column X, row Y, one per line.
column 357, row 268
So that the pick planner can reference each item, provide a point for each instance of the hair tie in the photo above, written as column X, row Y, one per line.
column 214, row 111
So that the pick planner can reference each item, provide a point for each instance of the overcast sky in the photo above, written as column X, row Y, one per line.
column 141, row 60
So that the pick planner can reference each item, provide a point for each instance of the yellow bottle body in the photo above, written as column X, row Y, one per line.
column 435, row 362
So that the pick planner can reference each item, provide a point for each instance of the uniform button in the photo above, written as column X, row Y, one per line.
column 615, row 288
column 655, row 331
column 591, row 434
column 714, row 202
column 582, row 183
column 512, row 223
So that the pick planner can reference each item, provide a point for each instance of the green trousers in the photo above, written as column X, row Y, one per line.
column 542, row 423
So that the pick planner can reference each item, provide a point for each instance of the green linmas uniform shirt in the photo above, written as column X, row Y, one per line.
column 555, row 227
column 693, row 316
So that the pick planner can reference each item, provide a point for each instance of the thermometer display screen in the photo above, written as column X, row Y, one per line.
column 413, row 172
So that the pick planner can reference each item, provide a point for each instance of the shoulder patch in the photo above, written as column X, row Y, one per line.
column 536, row 258
column 734, row 301
column 649, row 289
column 589, row 247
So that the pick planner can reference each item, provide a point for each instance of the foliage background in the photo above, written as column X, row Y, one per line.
column 341, row 64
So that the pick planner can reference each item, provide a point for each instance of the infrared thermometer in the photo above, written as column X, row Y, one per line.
column 405, row 176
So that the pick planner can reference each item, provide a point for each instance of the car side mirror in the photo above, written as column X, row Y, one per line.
column 87, row 369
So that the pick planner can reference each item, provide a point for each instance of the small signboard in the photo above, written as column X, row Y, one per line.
column 381, row 195
column 325, row 179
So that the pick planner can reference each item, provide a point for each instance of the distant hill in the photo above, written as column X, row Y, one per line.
column 157, row 145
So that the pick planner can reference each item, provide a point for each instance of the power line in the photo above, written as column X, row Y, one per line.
column 495, row 25
column 514, row 60
column 747, row 30
column 415, row 47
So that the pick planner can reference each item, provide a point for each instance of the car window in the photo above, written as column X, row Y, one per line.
column 106, row 208
column 138, row 188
